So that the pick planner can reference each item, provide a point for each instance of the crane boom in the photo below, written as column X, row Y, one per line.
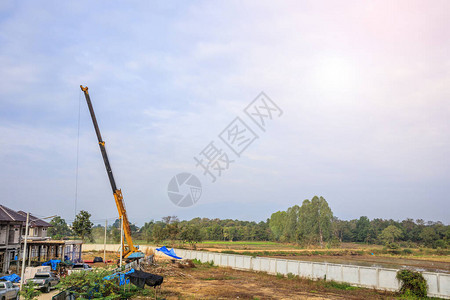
column 131, row 251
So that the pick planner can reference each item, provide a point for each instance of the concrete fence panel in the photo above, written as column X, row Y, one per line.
column 204, row 258
column 272, row 265
column 189, row 255
column 306, row 269
column 334, row 272
column 292, row 267
column 319, row 270
column 265, row 265
column 224, row 260
column 216, row 258
column 368, row 277
column 444, row 284
column 433, row 283
column 387, row 279
column 232, row 261
column 256, row 264
column 350, row 274
column 282, row 266
column 248, row 262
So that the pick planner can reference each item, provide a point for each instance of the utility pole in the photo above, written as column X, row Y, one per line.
column 104, row 248
column 121, row 240
column 24, row 255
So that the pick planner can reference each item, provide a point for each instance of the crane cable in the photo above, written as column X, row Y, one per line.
column 78, row 151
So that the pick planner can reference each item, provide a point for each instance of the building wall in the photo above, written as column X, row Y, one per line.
column 3, row 234
column 9, row 234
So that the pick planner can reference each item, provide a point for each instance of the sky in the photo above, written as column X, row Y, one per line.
column 362, row 88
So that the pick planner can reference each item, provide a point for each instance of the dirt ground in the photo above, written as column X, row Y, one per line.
column 210, row 282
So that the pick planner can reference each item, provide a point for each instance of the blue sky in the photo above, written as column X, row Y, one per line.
column 364, row 89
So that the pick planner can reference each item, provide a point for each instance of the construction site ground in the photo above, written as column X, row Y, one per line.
column 204, row 281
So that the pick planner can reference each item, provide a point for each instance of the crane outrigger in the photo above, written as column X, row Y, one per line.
column 129, row 250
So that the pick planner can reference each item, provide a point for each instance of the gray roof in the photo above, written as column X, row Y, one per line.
column 7, row 214
column 34, row 221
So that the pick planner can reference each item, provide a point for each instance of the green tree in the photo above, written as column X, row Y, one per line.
column 115, row 234
column 59, row 228
column 98, row 233
column 191, row 234
column 214, row 232
column 230, row 233
column 147, row 230
column 159, row 234
column 429, row 236
column 315, row 218
column 290, row 230
column 277, row 223
column 82, row 226
column 362, row 233
column 338, row 227
column 390, row 234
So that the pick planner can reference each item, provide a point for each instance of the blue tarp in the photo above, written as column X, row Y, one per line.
column 168, row 252
column 121, row 276
column 12, row 278
column 53, row 262
column 136, row 255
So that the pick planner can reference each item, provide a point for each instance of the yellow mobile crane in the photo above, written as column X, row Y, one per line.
column 129, row 250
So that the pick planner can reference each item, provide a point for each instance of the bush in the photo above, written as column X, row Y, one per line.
column 29, row 291
column 439, row 244
column 340, row 286
column 392, row 246
column 407, row 251
column 291, row 276
column 89, row 285
column 206, row 264
column 413, row 283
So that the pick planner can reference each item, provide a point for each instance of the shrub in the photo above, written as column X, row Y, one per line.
column 407, row 251
column 206, row 264
column 392, row 246
column 91, row 285
column 413, row 283
column 440, row 244
column 340, row 286
column 290, row 275
column 29, row 291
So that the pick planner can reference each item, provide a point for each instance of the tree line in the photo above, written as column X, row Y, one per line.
column 311, row 223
